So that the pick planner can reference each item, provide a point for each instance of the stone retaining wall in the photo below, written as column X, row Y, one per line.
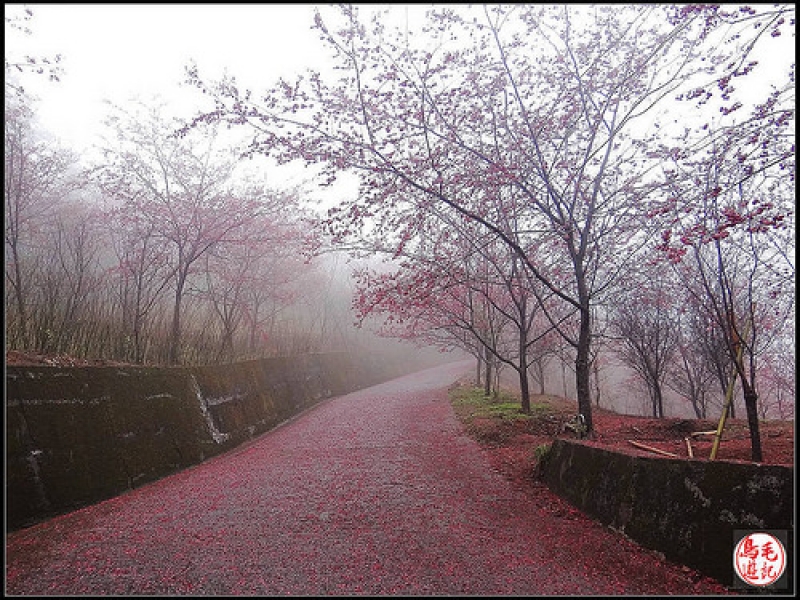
column 686, row 509
column 77, row 435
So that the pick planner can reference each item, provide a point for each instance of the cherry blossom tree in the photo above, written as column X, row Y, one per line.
column 457, row 286
column 38, row 176
column 75, row 275
column 18, row 66
column 728, row 204
column 694, row 370
column 521, row 119
column 258, row 269
column 143, row 273
column 181, row 190
column 730, row 251
column 645, row 322
column 777, row 376
column 427, row 304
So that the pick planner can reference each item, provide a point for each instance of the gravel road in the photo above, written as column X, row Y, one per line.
column 378, row 492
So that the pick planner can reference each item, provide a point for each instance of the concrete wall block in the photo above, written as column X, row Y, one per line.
column 78, row 435
column 687, row 509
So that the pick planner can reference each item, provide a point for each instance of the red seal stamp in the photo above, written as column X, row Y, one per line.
column 759, row 559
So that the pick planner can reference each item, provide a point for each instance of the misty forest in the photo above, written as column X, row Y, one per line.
column 594, row 201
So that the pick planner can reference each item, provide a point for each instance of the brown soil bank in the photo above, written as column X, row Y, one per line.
column 637, row 477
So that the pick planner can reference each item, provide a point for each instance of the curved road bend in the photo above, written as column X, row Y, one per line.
column 376, row 492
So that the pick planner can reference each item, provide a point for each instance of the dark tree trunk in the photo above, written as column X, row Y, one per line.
column 525, row 392
column 487, row 386
column 596, row 375
column 138, row 351
column 659, row 396
column 20, row 298
column 751, row 408
column 175, row 334
column 539, row 366
column 583, row 370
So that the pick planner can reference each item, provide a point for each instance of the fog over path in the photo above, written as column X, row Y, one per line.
column 375, row 492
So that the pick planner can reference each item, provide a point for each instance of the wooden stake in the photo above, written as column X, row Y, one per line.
column 689, row 447
column 728, row 397
column 651, row 449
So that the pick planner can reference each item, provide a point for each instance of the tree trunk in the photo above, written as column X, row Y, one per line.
column 175, row 334
column 596, row 372
column 722, row 377
column 540, row 370
column 20, row 298
column 524, row 389
column 659, row 399
column 487, row 386
column 751, row 408
column 583, row 370
column 138, row 334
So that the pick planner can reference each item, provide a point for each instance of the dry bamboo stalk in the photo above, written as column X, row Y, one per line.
column 651, row 449
column 689, row 447
column 704, row 432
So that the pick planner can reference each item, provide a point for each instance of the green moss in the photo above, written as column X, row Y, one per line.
column 541, row 451
column 503, row 406
column 471, row 401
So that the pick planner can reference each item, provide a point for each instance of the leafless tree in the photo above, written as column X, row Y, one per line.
column 645, row 325
column 181, row 188
column 38, row 175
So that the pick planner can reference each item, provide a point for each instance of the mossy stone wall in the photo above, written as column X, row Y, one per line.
column 77, row 435
column 686, row 509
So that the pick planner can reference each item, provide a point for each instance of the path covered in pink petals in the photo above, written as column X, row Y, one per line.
column 379, row 492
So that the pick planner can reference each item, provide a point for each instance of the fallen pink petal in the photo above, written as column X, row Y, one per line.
column 378, row 492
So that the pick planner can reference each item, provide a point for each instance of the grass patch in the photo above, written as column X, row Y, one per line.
column 494, row 420
column 470, row 401
column 541, row 451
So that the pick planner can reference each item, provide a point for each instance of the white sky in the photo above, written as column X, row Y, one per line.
column 116, row 51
